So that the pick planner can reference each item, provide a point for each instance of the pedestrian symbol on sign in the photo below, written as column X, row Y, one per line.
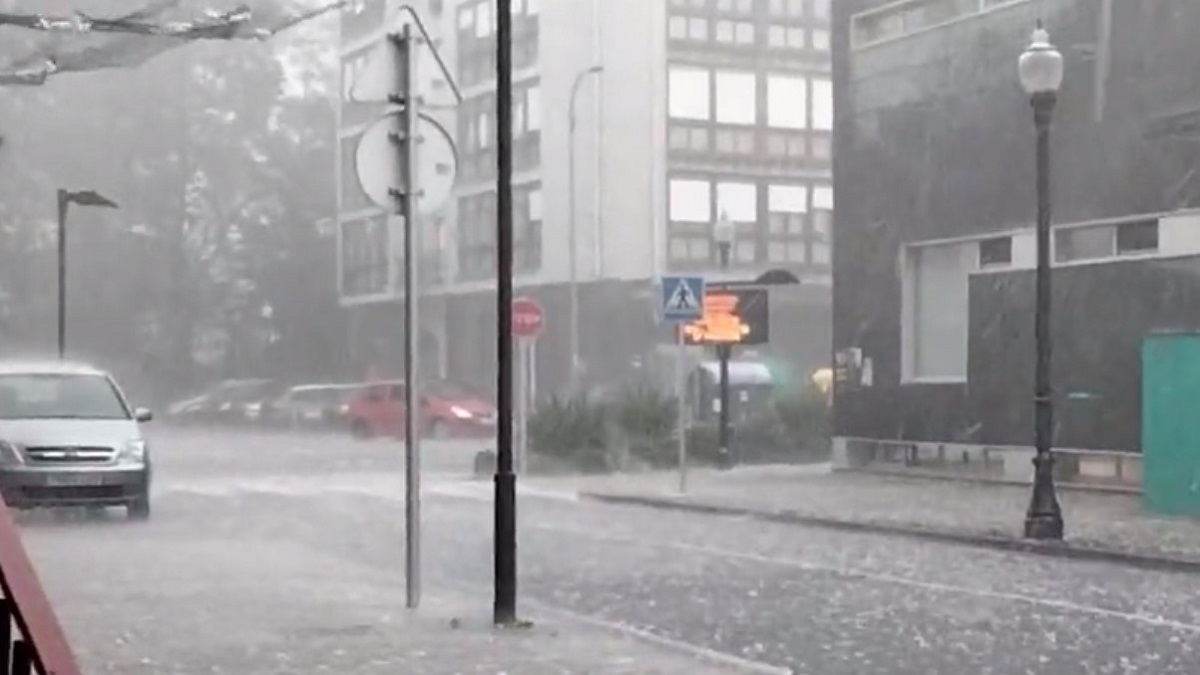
column 683, row 301
column 682, row 298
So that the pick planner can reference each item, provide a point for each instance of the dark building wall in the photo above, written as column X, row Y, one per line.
column 1097, row 381
column 934, row 139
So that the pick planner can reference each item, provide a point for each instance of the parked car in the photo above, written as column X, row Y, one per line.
column 68, row 437
column 323, row 406
column 231, row 401
column 447, row 411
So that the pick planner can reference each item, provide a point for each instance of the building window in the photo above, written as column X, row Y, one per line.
column 786, row 8
column 787, row 209
column 787, row 102
column 1097, row 242
column 689, row 139
column 1083, row 243
column 820, row 40
column 364, row 257
column 533, row 102
column 1137, row 237
column 936, row 307
column 483, row 20
column 689, row 93
column 821, row 234
column 995, row 252
column 786, row 37
column 738, row 201
column 736, row 97
column 822, row 104
column 690, row 201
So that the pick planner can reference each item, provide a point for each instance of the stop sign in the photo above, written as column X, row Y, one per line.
column 527, row 318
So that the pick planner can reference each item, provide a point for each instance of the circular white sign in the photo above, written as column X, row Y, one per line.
column 377, row 162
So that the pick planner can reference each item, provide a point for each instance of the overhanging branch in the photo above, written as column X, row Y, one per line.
column 136, row 38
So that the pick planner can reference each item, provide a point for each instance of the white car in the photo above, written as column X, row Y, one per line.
column 68, row 437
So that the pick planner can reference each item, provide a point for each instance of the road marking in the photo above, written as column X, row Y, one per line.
column 1065, row 605
column 696, row 651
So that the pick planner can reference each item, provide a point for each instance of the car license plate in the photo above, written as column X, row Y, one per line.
column 74, row 480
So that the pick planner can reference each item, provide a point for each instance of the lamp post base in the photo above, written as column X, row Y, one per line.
column 1044, row 519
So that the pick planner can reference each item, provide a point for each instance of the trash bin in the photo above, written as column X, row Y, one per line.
column 1170, row 426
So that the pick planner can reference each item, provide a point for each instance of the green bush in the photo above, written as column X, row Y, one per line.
column 807, row 419
column 645, row 420
column 573, row 431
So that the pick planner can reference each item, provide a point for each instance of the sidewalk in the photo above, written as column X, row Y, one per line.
column 1099, row 525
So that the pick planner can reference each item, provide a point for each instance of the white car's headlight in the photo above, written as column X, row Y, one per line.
column 134, row 452
column 461, row 413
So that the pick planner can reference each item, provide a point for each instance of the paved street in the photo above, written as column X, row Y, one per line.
column 266, row 552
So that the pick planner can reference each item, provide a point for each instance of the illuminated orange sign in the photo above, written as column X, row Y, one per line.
column 722, row 322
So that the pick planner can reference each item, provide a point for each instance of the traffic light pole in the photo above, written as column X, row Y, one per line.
column 505, row 542
column 406, row 195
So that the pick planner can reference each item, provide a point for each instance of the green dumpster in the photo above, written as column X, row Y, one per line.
column 1170, row 424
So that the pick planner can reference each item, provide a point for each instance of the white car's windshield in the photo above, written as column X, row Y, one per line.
column 57, row 396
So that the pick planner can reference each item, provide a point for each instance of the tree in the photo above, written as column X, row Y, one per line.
column 220, row 156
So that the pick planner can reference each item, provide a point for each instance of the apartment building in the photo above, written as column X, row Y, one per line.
column 684, row 110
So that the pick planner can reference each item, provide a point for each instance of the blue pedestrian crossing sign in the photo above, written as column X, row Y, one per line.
column 682, row 298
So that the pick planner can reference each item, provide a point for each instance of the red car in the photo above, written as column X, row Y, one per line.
column 448, row 411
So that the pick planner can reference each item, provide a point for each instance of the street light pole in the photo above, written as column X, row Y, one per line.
column 723, row 235
column 572, row 226
column 64, row 204
column 65, row 199
column 1041, row 72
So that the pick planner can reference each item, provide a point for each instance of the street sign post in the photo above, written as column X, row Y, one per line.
column 406, row 163
column 682, row 302
column 528, row 321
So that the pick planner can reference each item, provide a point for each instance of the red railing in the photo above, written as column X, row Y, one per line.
column 31, row 640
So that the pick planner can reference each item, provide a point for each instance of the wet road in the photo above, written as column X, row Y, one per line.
column 774, row 598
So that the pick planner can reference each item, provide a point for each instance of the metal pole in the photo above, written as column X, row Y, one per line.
column 1043, row 520
column 723, row 354
column 522, row 404
column 573, row 223
column 505, row 555
column 412, row 394
column 64, row 203
column 573, row 239
column 680, row 390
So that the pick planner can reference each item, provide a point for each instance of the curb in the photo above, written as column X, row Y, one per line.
column 1158, row 563
column 1115, row 490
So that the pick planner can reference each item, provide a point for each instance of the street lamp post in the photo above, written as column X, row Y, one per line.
column 723, row 234
column 1041, row 72
column 65, row 199
column 572, row 226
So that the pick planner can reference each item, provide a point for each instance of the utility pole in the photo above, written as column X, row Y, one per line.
column 406, row 195
column 505, row 542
